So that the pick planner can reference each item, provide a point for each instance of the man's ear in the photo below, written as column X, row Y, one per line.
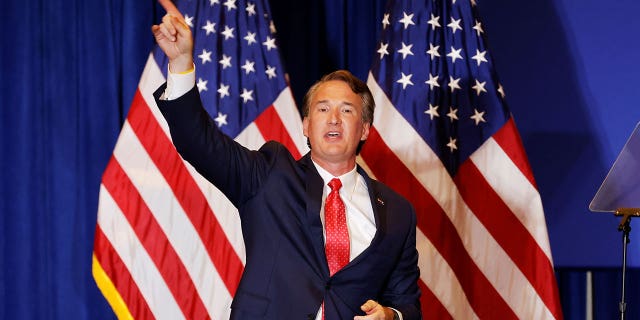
column 365, row 131
column 305, row 126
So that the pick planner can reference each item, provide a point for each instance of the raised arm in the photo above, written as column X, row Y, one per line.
column 174, row 37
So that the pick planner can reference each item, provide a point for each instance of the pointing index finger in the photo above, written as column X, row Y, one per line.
column 171, row 8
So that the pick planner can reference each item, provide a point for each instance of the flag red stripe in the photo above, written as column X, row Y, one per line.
column 119, row 275
column 509, row 140
column 155, row 242
column 272, row 128
column 187, row 193
column 432, row 308
column 435, row 224
column 507, row 230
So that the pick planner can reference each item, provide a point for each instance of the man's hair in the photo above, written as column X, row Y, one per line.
column 357, row 86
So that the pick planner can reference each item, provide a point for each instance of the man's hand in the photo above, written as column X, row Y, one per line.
column 375, row 311
column 173, row 36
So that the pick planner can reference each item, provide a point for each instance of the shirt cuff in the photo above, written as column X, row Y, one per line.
column 179, row 83
column 398, row 313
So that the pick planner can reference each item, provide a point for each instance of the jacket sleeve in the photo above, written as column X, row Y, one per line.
column 232, row 168
column 402, row 292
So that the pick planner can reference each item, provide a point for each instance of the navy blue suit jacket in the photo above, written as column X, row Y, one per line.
column 286, row 274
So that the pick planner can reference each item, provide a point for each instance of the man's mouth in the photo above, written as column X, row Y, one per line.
column 333, row 134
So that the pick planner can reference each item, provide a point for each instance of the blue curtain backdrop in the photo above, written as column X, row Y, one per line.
column 69, row 70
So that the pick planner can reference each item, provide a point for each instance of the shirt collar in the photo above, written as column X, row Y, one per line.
column 348, row 179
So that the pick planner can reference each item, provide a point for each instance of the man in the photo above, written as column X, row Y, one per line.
column 323, row 240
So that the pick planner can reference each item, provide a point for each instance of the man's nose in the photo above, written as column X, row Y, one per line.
column 334, row 116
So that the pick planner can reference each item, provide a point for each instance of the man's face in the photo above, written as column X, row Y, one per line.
column 334, row 124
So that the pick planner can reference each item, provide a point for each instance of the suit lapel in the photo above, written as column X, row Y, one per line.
column 314, row 185
column 378, row 203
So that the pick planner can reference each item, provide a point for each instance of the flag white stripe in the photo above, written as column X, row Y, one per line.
column 485, row 251
column 441, row 280
column 119, row 233
column 291, row 119
column 515, row 190
column 180, row 232
column 251, row 137
column 150, row 81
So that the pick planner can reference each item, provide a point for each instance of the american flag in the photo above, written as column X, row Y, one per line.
column 445, row 139
column 168, row 244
